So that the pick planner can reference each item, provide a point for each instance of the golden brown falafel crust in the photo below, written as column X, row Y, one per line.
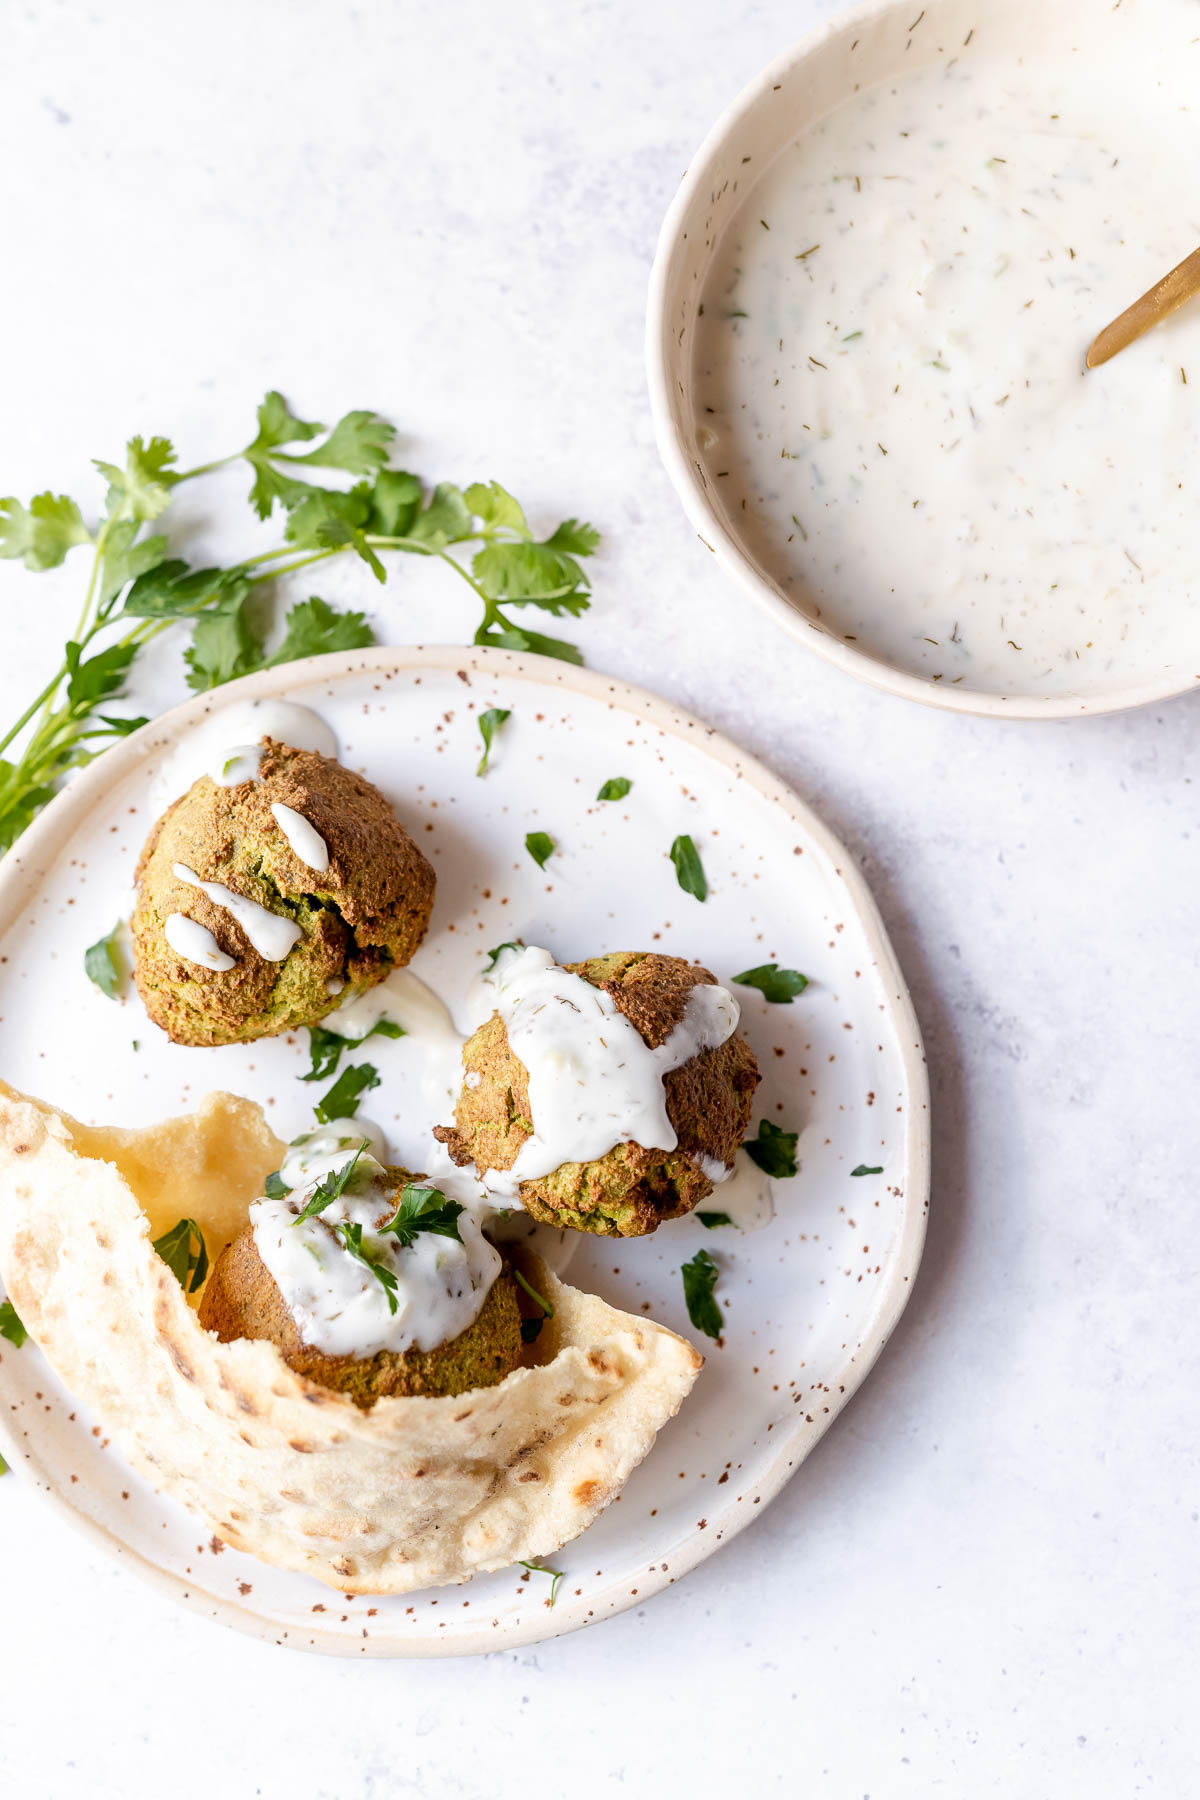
column 631, row 1190
column 361, row 918
column 242, row 1300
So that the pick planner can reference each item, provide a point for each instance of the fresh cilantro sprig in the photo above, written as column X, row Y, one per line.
column 189, row 1266
column 136, row 590
column 422, row 1209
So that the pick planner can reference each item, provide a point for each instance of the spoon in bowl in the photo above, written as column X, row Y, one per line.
column 1155, row 305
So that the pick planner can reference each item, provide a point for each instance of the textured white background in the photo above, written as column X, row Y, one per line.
column 985, row 1580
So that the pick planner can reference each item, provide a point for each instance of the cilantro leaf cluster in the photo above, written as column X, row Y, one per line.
column 136, row 589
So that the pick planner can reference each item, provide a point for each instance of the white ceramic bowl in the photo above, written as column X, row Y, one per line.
column 861, row 46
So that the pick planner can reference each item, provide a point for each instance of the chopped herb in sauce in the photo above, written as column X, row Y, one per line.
column 422, row 1209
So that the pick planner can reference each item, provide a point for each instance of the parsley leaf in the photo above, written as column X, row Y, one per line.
column 224, row 643
column 422, row 1209
column 314, row 628
column 10, row 1325
column 275, row 1187
column 616, row 789
column 539, row 1300
column 538, row 1569
column 773, row 1150
column 689, row 870
column 862, row 1169
column 496, row 507
column 779, row 986
column 325, row 1047
column 43, row 532
column 446, row 520
column 341, row 1102
column 494, row 955
column 102, row 963
column 489, row 724
column 328, row 1190
column 175, row 1248
column 142, row 489
column 540, row 846
column 710, row 1220
column 358, row 443
column 350, row 1232
column 528, row 574
column 700, row 1277
column 574, row 537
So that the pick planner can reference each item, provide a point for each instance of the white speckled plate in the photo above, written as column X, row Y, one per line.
column 809, row 1301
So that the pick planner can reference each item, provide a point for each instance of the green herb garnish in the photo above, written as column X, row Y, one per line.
column 275, row 1187
column 616, row 789
column 10, row 1325
column 773, row 1150
column 350, row 1233
column 494, row 955
column 188, row 1266
column 341, row 1102
column 688, row 868
column 862, row 1169
column 136, row 590
column 540, row 846
column 100, row 960
column 422, row 1209
column 779, row 986
column 489, row 724
column 325, row 1047
column 329, row 1189
column 537, row 1569
column 710, row 1220
column 699, row 1280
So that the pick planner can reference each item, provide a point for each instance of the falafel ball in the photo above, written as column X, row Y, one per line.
column 631, row 1190
column 241, row 1300
column 356, row 919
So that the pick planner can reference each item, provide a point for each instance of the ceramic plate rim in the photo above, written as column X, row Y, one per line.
column 44, row 839
column 733, row 559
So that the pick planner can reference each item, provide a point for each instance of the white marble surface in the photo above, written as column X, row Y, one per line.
column 984, row 1582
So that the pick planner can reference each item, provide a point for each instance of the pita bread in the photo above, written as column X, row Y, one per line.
column 415, row 1492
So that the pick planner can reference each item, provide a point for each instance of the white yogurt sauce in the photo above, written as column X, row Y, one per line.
column 226, row 744
column 892, row 404
column 403, row 999
column 271, row 934
column 741, row 1190
column 196, row 944
column 593, row 1081
column 339, row 1306
column 315, row 1154
column 305, row 840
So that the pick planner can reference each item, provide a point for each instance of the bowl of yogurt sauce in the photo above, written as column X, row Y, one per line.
column 868, row 317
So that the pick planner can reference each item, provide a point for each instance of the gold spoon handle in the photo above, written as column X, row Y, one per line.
column 1156, row 304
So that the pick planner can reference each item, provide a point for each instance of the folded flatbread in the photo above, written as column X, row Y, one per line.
column 413, row 1493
